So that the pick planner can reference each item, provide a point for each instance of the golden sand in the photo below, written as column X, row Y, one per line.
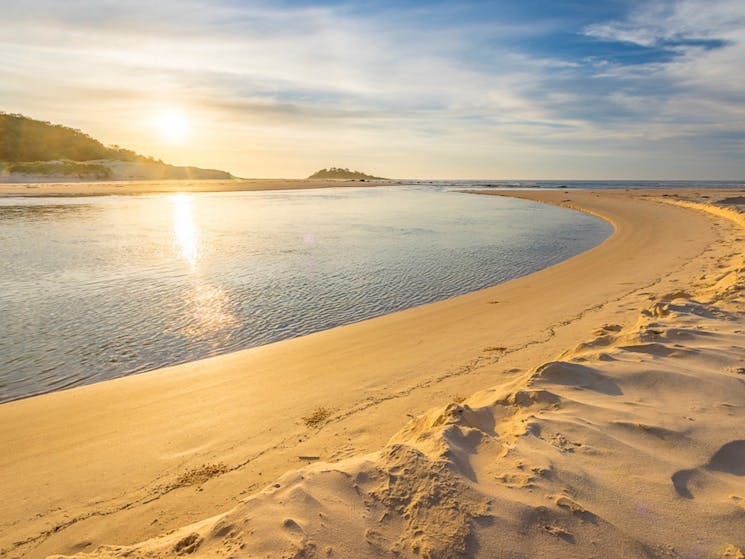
column 593, row 409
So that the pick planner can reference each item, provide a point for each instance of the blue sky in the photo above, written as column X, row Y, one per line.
column 505, row 89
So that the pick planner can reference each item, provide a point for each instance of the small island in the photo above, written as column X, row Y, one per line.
column 343, row 174
column 37, row 151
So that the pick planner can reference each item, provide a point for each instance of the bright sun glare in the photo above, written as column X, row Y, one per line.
column 173, row 126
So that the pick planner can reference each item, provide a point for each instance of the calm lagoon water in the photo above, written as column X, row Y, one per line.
column 100, row 287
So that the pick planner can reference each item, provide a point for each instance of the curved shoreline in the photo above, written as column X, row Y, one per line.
column 112, row 451
column 471, row 245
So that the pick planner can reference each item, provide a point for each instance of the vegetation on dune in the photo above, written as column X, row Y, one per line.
column 342, row 173
column 64, row 168
column 35, row 147
column 26, row 139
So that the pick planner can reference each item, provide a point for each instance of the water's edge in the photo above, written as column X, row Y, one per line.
column 213, row 305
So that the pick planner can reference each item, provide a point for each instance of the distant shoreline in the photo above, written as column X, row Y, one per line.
column 126, row 187
column 81, row 188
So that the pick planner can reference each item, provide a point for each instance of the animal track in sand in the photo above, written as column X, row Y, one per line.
column 188, row 544
column 576, row 509
column 201, row 474
column 559, row 532
column 564, row 445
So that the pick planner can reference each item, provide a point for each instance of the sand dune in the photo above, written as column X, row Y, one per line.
column 605, row 420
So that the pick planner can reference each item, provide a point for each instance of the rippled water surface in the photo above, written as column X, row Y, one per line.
column 99, row 287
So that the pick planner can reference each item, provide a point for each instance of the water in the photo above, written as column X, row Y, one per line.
column 100, row 287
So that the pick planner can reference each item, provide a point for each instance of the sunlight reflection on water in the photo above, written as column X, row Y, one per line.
column 206, row 307
column 100, row 287
column 207, row 311
column 185, row 231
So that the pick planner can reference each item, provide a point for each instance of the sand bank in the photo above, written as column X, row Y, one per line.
column 591, row 409
column 166, row 186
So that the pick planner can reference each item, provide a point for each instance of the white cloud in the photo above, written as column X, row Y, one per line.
column 280, row 91
column 674, row 20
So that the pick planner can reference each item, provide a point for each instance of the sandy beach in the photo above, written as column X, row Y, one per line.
column 592, row 409
column 32, row 189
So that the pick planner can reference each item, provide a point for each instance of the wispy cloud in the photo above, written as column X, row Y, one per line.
column 446, row 89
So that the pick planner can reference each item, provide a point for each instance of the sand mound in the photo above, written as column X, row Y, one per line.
column 576, row 459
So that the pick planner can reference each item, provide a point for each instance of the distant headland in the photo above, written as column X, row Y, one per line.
column 37, row 151
column 342, row 173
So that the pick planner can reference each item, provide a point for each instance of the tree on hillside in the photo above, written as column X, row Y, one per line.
column 341, row 173
column 26, row 139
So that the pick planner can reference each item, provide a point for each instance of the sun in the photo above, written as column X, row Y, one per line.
column 172, row 125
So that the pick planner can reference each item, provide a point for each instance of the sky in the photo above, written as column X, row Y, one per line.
column 506, row 89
